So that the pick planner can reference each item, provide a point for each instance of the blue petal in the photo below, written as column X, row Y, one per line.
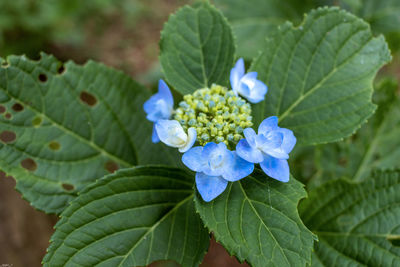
column 218, row 158
column 289, row 140
column 246, row 152
column 276, row 168
column 154, row 135
column 240, row 169
column 277, row 153
column 193, row 159
column 257, row 93
column 160, row 105
column 249, row 77
column 210, row 187
column 269, row 124
column 165, row 93
column 237, row 73
column 250, row 136
column 273, row 140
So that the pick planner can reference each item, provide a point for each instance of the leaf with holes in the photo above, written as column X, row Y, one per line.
column 63, row 127
column 256, row 220
column 356, row 224
column 375, row 146
column 320, row 75
column 253, row 20
column 197, row 48
column 131, row 218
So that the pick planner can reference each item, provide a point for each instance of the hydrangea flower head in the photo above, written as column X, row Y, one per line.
column 215, row 165
column 247, row 85
column 270, row 147
column 219, row 120
column 216, row 114
column 159, row 106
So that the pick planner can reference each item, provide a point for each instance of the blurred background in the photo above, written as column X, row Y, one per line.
column 125, row 34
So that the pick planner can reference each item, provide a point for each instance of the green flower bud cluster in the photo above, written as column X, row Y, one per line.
column 217, row 114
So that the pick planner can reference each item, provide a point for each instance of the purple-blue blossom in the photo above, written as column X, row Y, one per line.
column 247, row 85
column 215, row 165
column 270, row 147
column 159, row 107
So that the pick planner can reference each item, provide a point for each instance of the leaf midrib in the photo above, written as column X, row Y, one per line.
column 151, row 230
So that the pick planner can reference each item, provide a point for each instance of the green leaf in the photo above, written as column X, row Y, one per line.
column 131, row 218
column 383, row 15
column 375, row 146
column 320, row 75
column 64, row 126
column 197, row 48
column 253, row 20
column 356, row 224
column 256, row 220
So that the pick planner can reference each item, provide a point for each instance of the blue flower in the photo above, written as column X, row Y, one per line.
column 172, row 134
column 270, row 148
column 159, row 106
column 215, row 165
column 247, row 85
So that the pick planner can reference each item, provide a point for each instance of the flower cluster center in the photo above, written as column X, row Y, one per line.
column 217, row 114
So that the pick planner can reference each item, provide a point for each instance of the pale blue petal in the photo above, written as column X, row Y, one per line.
column 273, row 140
column 289, row 140
column 171, row 133
column 192, row 136
column 246, row 152
column 193, row 159
column 276, row 168
column 154, row 136
column 210, row 187
column 269, row 124
column 250, row 136
column 240, row 169
column 257, row 93
column 249, row 77
column 237, row 73
column 165, row 93
column 277, row 153
column 218, row 157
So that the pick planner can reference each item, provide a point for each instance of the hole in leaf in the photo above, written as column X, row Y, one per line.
column 395, row 241
column 111, row 166
column 343, row 162
column 68, row 187
column 88, row 99
column 2, row 109
column 17, row 107
column 53, row 145
column 7, row 137
column 37, row 121
column 29, row 164
column 8, row 115
column 43, row 77
column 4, row 64
column 61, row 69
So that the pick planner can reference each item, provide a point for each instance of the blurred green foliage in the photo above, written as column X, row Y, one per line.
column 27, row 26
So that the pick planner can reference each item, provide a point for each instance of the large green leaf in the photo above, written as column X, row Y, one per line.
column 197, row 48
column 375, row 146
column 131, row 218
column 320, row 75
column 254, row 20
column 383, row 15
column 256, row 220
column 356, row 224
column 62, row 127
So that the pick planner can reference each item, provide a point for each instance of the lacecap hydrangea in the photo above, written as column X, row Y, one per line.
column 219, row 121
